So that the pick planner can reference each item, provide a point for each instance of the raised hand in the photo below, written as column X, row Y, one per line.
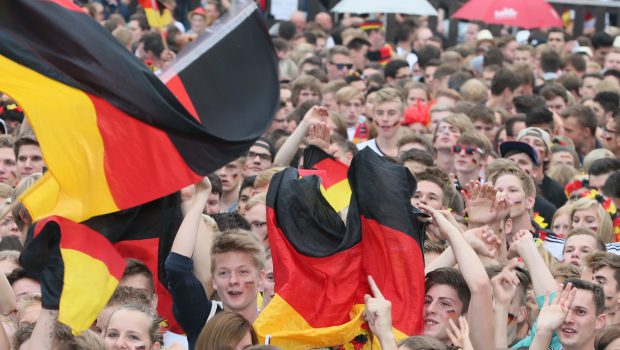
column 480, row 202
column 483, row 240
column 520, row 239
column 439, row 226
column 378, row 314
column 459, row 335
column 318, row 135
column 505, row 284
column 316, row 114
column 553, row 314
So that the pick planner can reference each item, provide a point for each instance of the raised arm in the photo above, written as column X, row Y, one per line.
column 291, row 145
column 378, row 314
column 524, row 246
column 551, row 317
column 477, row 280
column 504, row 289
column 185, row 240
column 7, row 297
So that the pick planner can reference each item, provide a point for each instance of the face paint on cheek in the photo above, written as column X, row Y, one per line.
column 249, row 284
column 140, row 347
column 473, row 160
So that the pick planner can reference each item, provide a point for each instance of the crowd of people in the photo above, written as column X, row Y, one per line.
column 513, row 141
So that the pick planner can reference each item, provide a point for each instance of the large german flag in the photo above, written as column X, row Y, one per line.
column 78, row 269
column 334, row 176
column 113, row 135
column 316, row 255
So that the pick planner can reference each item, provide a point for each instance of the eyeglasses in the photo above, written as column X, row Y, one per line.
column 609, row 131
column 340, row 66
column 262, row 156
column 469, row 150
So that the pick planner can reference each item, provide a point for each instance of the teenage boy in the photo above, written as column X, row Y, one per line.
column 575, row 315
column 388, row 113
column 470, row 155
column 235, row 264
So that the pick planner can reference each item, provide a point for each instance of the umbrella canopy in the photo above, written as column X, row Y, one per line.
column 410, row 7
column 526, row 14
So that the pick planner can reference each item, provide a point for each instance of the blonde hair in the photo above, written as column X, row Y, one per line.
column 562, row 173
column 594, row 155
column 257, row 199
column 388, row 94
column 238, row 241
column 605, row 226
column 474, row 91
column 21, row 187
column 264, row 177
column 565, row 271
column 10, row 255
column 26, row 302
column 347, row 94
column 501, row 166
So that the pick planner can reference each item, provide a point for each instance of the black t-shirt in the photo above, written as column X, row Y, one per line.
column 553, row 191
column 544, row 208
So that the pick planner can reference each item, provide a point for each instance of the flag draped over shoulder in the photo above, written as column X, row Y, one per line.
column 107, row 124
column 334, row 176
column 321, row 265
column 77, row 266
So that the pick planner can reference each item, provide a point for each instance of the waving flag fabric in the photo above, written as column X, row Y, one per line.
column 106, row 123
column 320, row 266
column 334, row 180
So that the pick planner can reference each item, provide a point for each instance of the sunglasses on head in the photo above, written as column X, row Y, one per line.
column 470, row 149
column 340, row 66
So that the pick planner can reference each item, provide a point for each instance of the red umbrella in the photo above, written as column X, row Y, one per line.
column 520, row 13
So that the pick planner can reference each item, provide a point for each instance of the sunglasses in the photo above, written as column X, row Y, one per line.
column 469, row 150
column 340, row 66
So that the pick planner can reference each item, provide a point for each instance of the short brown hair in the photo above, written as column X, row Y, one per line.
column 305, row 82
column 439, row 178
column 473, row 137
column 23, row 140
column 586, row 232
column 598, row 260
column 584, row 115
column 136, row 267
column 224, row 331
column 451, row 277
column 238, row 241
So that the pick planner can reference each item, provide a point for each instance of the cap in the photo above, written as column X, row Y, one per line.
column 484, row 35
column 584, row 50
column 536, row 132
column 519, row 147
column 197, row 11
